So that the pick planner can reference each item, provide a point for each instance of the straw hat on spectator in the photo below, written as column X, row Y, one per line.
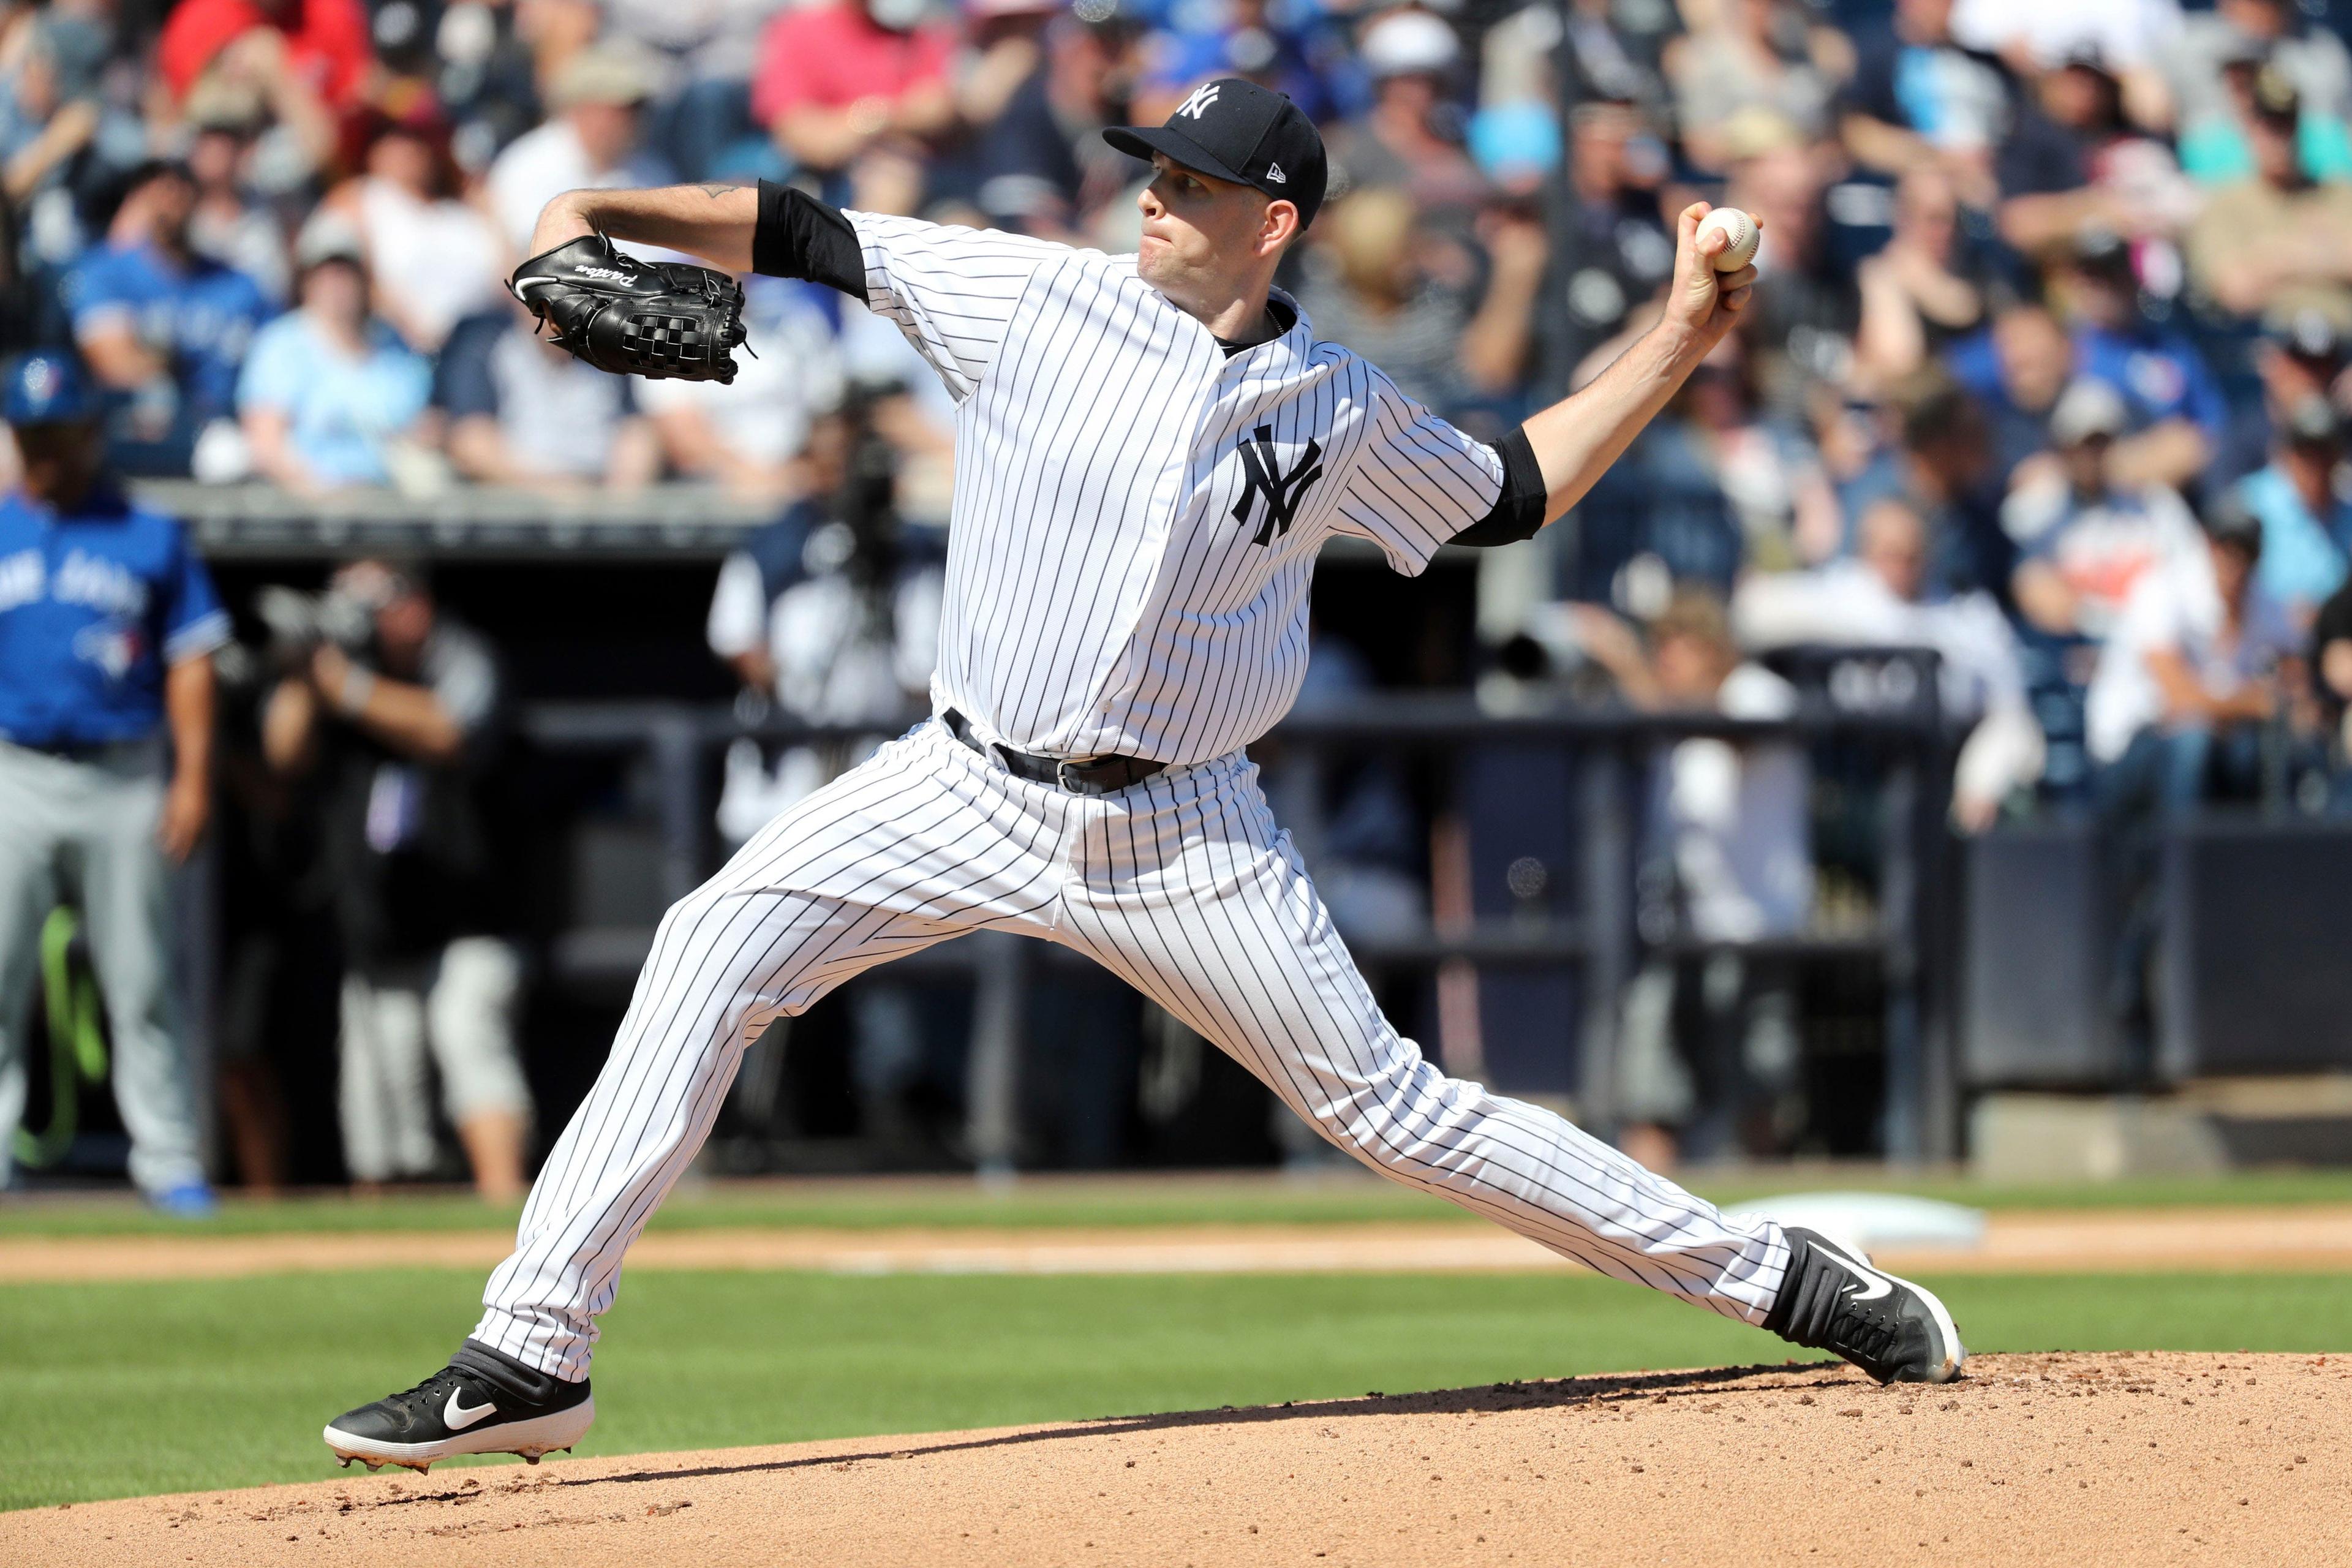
column 602, row 73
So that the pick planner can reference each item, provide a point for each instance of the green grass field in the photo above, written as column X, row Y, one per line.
column 1344, row 1198
column 122, row 1389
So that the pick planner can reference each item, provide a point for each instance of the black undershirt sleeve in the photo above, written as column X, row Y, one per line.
column 800, row 237
column 1519, row 510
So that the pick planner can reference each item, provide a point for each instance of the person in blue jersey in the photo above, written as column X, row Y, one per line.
column 163, row 327
column 108, row 625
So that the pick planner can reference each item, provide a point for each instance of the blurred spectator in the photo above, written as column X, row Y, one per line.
column 434, row 256
column 1802, row 321
column 50, row 113
column 832, row 614
column 1043, row 166
column 593, row 141
column 400, row 731
column 2301, row 356
column 2202, row 657
column 2034, row 35
column 2331, row 666
column 1253, row 38
column 2276, row 239
column 1942, row 466
column 2073, row 163
column 107, row 626
column 2016, row 371
column 1881, row 599
column 2086, row 541
column 309, row 61
column 163, row 327
column 2177, row 406
column 704, row 50
column 1766, row 468
column 1373, row 287
column 1922, row 290
column 2299, row 497
column 230, row 225
column 1611, row 250
column 327, row 389
column 2210, row 68
column 1709, row 1046
column 836, row 76
column 745, row 435
column 1410, row 138
column 1768, row 56
column 521, row 411
column 1918, row 95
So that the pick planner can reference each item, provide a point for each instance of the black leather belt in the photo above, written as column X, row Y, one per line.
column 1090, row 775
column 72, row 750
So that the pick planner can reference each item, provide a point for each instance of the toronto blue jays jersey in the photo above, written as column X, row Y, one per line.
column 94, row 607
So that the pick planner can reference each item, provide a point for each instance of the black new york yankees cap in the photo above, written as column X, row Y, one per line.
column 1235, row 130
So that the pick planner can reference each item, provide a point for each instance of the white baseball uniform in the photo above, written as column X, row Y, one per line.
column 1136, row 519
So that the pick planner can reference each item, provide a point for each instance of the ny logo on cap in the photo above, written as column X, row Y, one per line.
column 1202, row 98
column 1283, row 492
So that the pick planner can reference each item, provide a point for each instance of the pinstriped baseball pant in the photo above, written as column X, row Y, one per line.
column 1181, row 886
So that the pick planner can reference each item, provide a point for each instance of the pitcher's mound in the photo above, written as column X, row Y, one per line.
column 2033, row 1459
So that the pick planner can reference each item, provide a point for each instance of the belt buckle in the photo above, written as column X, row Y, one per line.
column 1062, row 773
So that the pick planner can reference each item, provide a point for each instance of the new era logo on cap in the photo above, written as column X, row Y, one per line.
column 1232, row 129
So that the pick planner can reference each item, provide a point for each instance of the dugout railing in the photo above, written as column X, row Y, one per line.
column 1873, row 713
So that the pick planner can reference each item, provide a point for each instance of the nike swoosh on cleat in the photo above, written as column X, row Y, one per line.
column 456, row 1417
column 1873, row 1283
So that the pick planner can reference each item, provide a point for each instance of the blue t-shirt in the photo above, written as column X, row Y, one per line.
column 2161, row 375
column 2302, row 559
column 204, row 317
column 341, row 410
column 93, row 608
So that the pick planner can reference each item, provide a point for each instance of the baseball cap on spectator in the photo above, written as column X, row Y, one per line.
column 1409, row 43
column 2085, row 410
column 2312, row 422
column 602, row 73
column 2274, row 94
column 220, row 101
column 1234, row 130
column 328, row 236
column 45, row 387
column 2231, row 520
column 2307, row 333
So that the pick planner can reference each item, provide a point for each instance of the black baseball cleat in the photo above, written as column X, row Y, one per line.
column 1831, row 1301
column 482, row 1402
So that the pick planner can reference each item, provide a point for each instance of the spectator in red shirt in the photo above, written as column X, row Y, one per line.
column 837, row 78
column 325, row 42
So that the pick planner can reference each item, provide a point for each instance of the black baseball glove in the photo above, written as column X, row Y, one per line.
column 655, row 319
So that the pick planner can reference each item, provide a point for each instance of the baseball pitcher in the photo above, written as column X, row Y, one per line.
column 1150, row 451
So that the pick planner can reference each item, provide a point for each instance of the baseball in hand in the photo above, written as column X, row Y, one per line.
column 1740, row 233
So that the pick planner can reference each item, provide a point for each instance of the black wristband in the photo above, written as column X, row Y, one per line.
column 799, row 237
column 1518, row 511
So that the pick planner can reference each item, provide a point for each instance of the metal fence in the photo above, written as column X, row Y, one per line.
column 1853, row 704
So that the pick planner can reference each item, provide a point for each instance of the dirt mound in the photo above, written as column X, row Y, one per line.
column 2076, row 1458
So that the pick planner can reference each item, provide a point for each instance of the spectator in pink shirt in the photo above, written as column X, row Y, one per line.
column 835, row 78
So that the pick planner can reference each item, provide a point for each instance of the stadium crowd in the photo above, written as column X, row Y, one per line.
column 2047, row 371
column 2044, row 284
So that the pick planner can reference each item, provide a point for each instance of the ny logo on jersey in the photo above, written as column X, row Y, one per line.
column 1282, row 491
column 1202, row 98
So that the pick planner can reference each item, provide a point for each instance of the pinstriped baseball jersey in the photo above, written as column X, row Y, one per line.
column 1137, row 514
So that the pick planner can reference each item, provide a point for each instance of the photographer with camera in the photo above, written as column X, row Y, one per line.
column 393, row 709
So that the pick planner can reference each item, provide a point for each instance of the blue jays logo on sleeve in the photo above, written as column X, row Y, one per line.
column 1283, row 492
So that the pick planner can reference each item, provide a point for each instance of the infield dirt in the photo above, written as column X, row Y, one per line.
column 2130, row 1458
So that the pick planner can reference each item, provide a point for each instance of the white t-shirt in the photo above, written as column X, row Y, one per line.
column 1740, row 821
column 542, row 164
column 441, row 257
column 2179, row 609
